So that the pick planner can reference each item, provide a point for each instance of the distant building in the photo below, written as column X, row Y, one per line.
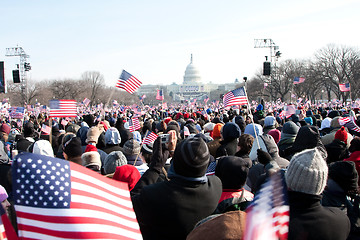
column 192, row 86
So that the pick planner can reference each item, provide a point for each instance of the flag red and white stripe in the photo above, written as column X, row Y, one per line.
column 63, row 108
column 134, row 124
column 46, row 129
column 235, row 97
column 57, row 199
column 150, row 138
column 128, row 82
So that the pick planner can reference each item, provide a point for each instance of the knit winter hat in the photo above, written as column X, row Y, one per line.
column 72, row 147
column 309, row 120
column 208, row 127
column 307, row 172
column 91, row 157
column 43, row 147
column 113, row 160
column 93, row 135
column 344, row 173
column 217, row 130
column 249, row 129
column 128, row 174
column 131, row 147
column 112, row 136
column 230, row 131
column 137, row 136
column 276, row 134
column 5, row 128
column 341, row 134
column 269, row 121
column 191, row 157
column 354, row 145
column 3, row 194
column 290, row 128
column 335, row 123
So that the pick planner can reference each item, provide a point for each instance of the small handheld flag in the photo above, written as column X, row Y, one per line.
column 160, row 95
column 128, row 82
column 345, row 87
column 298, row 80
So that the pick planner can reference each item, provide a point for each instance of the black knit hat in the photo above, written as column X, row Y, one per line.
column 344, row 173
column 72, row 147
column 191, row 157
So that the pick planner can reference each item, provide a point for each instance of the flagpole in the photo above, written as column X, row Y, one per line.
column 111, row 94
column 50, row 135
column 252, row 121
column 142, row 143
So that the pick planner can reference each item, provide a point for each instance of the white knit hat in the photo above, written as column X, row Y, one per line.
column 307, row 172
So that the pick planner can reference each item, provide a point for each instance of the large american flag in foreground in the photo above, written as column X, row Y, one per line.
column 63, row 108
column 268, row 215
column 128, row 82
column 57, row 199
column 235, row 97
column 349, row 123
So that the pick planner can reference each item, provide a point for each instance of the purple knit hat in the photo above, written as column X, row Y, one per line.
column 3, row 194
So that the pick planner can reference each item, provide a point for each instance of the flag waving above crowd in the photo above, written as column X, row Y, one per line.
column 344, row 87
column 63, row 108
column 128, row 82
column 235, row 97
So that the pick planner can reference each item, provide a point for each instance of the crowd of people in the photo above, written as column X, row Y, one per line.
column 196, row 180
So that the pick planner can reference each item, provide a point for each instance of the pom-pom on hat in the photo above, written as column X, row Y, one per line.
column 341, row 134
column 307, row 172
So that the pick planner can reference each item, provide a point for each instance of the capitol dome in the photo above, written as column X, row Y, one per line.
column 192, row 74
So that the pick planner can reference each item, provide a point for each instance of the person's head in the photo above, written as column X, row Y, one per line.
column 113, row 160
column 91, row 158
column 3, row 198
column 276, row 134
column 127, row 173
column 72, row 148
column 230, row 131
column 245, row 143
column 232, row 171
column 341, row 135
column 307, row 172
column 93, row 135
column 217, row 130
column 191, row 157
column 43, row 147
column 112, row 136
column 345, row 175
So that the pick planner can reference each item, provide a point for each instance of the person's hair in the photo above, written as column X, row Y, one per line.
column 246, row 142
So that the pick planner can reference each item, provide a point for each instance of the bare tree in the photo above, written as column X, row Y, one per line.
column 94, row 82
column 67, row 89
column 339, row 65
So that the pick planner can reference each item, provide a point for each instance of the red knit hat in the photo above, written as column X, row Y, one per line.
column 90, row 148
column 341, row 134
column 127, row 173
column 186, row 115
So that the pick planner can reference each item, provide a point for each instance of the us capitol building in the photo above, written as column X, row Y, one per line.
column 191, row 88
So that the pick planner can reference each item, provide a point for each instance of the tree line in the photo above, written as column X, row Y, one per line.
column 323, row 72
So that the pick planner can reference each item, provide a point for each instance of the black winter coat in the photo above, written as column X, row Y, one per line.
column 309, row 220
column 170, row 209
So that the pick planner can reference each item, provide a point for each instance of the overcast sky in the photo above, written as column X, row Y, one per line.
column 153, row 40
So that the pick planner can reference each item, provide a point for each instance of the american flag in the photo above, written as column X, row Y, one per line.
column 268, row 215
column 64, row 122
column 6, row 229
column 45, row 129
column 134, row 124
column 86, row 101
column 211, row 168
column 298, row 80
column 57, row 199
column 142, row 97
column 287, row 112
column 235, row 97
column 160, row 95
column 17, row 112
column 149, row 138
column 128, row 82
column 206, row 99
column 349, row 123
column 63, row 108
column 345, row 87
